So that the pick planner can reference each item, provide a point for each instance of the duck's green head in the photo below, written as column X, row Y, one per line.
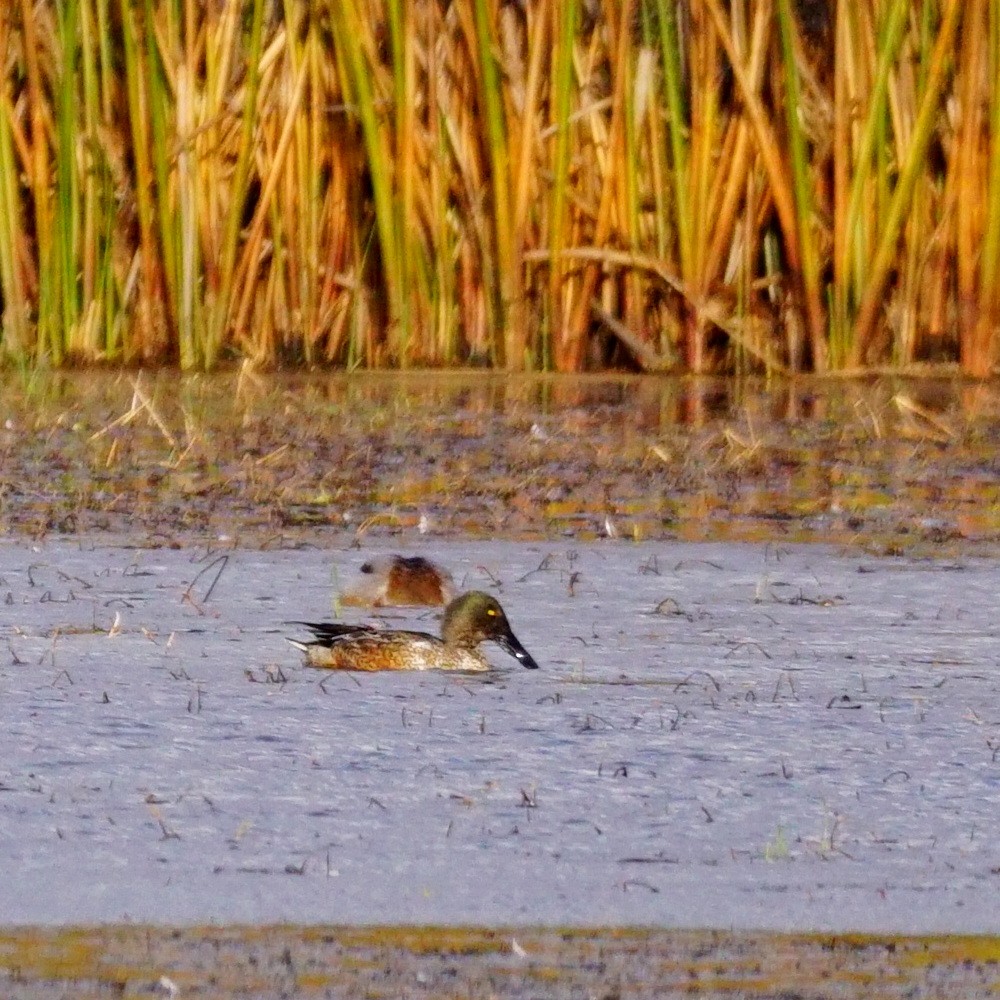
column 473, row 618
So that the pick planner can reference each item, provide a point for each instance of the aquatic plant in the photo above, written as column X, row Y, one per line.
column 777, row 185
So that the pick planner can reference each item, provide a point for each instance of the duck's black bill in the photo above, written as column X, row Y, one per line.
column 510, row 643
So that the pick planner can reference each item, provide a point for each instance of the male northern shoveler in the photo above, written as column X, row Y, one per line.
column 401, row 580
column 468, row 620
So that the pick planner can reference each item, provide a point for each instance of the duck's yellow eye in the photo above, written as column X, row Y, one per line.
column 492, row 612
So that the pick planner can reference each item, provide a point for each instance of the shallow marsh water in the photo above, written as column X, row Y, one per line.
column 720, row 735
column 891, row 463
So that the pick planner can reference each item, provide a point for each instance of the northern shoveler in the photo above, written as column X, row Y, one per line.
column 468, row 620
column 401, row 580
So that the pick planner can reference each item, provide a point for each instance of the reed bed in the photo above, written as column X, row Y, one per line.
column 562, row 184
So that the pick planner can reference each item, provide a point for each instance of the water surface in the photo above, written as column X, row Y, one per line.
column 720, row 735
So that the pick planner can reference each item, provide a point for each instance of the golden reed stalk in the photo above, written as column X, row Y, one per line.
column 777, row 185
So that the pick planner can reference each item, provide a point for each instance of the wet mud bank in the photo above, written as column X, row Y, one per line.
column 265, row 962
column 890, row 464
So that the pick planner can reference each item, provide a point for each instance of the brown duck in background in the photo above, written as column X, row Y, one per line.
column 400, row 581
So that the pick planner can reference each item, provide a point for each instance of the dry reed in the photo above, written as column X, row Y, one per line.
column 699, row 185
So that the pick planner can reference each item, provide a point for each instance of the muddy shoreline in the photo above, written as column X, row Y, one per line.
column 266, row 962
column 893, row 465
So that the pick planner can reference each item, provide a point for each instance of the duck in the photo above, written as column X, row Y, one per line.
column 401, row 581
column 469, row 619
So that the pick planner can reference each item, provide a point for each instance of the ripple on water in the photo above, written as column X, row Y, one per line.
column 191, row 749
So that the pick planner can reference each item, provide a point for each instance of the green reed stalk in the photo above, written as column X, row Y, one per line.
column 917, row 230
column 886, row 247
column 854, row 263
column 288, row 272
column 213, row 165
column 401, row 46
column 707, row 126
column 101, row 308
column 309, row 157
column 107, row 301
column 160, row 101
column 505, row 297
column 107, row 81
column 838, row 345
column 705, row 131
column 91, row 186
column 677, row 129
column 638, row 70
column 565, row 14
column 802, row 186
column 191, row 318
column 67, row 201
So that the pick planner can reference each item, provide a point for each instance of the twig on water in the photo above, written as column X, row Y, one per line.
column 220, row 561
